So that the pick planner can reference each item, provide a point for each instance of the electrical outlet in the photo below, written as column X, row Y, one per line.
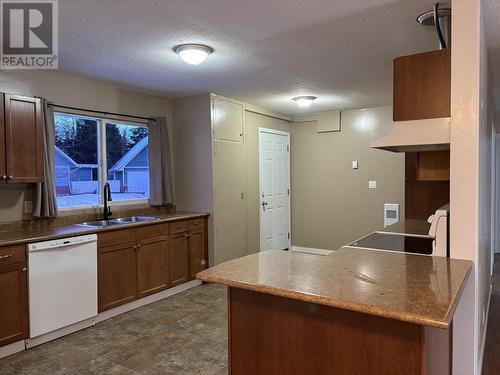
column 28, row 207
column 354, row 164
column 372, row 184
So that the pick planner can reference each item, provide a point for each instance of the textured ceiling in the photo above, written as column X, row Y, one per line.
column 266, row 51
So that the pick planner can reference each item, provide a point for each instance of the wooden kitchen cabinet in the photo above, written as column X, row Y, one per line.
column 152, row 266
column 422, row 86
column 13, row 294
column 137, row 262
column 196, row 245
column 178, row 258
column 22, row 140
column 3, row 166
column 116, row 275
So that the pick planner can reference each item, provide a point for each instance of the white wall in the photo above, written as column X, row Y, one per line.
column 470, row 176
column 496, row 222
column 331, row 203
column 75, row 91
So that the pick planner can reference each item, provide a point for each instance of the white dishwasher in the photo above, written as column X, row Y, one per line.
column 62, row 283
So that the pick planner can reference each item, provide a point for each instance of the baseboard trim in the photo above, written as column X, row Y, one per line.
column 13, row 348
column 483, row 341
column 19, row 346
column 146, row 300
column 30, row 343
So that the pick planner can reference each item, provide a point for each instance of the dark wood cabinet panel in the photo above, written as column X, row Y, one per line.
column 422, row 198
column 14, row 304
column 151, row 231
column 23, row 139
column 115, row 237
column 275, row 335
column 433, row 165
column 152, row 266
column 422, row 86
column 3, row 169
column 197, row 261
column 178, row 259
column 116, row 275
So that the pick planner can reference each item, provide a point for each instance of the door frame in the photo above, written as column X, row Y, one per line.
column 287, row 134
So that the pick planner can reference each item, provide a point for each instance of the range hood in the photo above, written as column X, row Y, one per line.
column 417, row 135
column 422, row 92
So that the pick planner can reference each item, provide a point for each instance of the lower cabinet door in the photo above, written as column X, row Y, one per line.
column 178, row 259
column 13, row 304
column 152, row 266
column 197, row 261
column 117, row 275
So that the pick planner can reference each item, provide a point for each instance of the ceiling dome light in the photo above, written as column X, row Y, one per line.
column 193, row 54
column 304, row 101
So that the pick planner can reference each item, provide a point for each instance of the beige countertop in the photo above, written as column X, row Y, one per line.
column 46, row 232
column 417, row 289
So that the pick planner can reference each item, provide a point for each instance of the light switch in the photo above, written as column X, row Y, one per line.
column 372, row 184
column 354, row 164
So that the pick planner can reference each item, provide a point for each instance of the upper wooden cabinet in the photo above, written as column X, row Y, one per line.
column 422, row 86
column 21, row 152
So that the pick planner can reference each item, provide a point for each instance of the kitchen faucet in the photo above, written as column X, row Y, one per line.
column 107, row 198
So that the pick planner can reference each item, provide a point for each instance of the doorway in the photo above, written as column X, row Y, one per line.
column 274, row 189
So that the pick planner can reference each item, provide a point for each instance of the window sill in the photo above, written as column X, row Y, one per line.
column 119, row 205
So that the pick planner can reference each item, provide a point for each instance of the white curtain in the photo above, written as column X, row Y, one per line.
column 160, row 174
column 45, row 203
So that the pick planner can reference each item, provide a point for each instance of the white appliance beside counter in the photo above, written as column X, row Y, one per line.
column 62, row 283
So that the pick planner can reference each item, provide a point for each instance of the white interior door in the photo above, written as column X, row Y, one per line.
column 274, row 176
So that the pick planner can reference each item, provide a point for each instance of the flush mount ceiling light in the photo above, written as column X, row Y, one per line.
column 193, row 54
column 304, row 101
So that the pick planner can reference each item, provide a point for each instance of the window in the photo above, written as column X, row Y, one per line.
column 92, row 151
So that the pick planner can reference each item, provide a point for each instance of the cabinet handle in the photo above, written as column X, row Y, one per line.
column 2, row 257
column 196, row 223
column 25, row 269
column 4, row 177
column 10, row 177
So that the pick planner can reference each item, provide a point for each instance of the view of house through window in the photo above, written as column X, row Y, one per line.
column 83, row 144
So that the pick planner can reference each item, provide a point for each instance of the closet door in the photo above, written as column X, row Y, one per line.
column 229, row 208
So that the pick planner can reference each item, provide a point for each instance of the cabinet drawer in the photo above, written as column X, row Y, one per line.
column 151, row 231
column 179, row 227
column 12, row 255
column 115, row 237
column 196, row 224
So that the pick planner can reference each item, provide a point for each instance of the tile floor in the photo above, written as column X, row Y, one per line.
column 182, row 334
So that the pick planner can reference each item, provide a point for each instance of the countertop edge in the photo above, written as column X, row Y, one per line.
column 458, row 296
column 91, row 230
column 327, row 301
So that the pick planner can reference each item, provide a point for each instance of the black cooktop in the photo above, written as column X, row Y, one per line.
column 396, row 242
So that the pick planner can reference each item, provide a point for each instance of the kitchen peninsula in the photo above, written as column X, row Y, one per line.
column 351, row 312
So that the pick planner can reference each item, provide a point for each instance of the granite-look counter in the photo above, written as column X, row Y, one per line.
column 46, row 232
column 417, row 289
